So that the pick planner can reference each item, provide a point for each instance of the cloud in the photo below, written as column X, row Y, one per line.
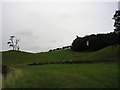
column 53, row 41
column 25, row 33
column 28, row 34
column 42, row 26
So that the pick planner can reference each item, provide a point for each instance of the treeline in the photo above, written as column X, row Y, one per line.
column 62, row 48
column 95, row 42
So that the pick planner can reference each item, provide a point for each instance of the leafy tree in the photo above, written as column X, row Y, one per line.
column 116, row 17
column 96, row 42
column 13, row 42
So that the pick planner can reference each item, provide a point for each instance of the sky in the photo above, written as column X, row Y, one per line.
column 42, row 26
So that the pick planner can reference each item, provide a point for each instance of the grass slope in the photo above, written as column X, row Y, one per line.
column 17, row 57
column 97, row 75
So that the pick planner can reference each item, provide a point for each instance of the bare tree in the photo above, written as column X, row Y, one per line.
column 13, row 42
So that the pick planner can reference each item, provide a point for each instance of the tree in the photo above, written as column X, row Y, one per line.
column 13, row 42
column 116, row 17
column 95, row 42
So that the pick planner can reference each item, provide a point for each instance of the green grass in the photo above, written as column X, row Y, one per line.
column 108, row 53
column 96, row 75
column 66, row 76
column 18, row 58
column 13, row 57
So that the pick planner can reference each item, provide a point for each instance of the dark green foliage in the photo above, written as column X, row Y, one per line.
column 116, row 17
column 96, row 42
column 63, row 48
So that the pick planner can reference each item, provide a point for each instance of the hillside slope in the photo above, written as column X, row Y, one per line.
column 109, row 53
column 18, row 57
column 97, row 75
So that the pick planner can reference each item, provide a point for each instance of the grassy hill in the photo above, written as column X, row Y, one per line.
column 19, row 57
column 92, row 75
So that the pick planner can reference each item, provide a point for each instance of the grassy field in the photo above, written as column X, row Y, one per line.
column 65, row 76
column 18, row 58
column 94, row 75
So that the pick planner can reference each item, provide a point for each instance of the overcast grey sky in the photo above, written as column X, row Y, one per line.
column 41, row 26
